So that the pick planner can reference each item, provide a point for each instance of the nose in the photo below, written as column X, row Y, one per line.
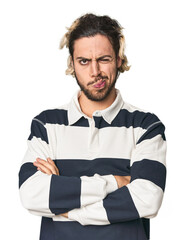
column 94, row 69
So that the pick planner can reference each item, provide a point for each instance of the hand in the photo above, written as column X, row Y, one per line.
column 47, row 167
column 122, row 180
column 64, row 214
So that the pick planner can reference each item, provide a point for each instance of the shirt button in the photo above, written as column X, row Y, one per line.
column 97, row 113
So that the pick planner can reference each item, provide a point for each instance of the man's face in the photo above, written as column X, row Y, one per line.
column 95, row 63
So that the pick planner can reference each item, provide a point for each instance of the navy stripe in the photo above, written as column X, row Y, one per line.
column 79, row 167
column 71, row 230
column 26, row 171
column 60, row 116
column 128, row 119
column 64, row 194
column 47, row 229
column 72, row 167
column 146, row 225
column 151, row 170
column 153, row 131
column 82, row 122
column 120, row 206
column 102, row 166
column 123, row 118
column 38, row 130
column 55, row 116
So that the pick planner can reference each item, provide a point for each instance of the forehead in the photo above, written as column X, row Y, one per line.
column 93, row 46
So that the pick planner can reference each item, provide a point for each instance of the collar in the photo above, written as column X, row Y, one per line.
column 109, row 113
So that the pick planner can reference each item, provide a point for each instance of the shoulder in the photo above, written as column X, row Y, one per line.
column 53, row 115
column 140, row 117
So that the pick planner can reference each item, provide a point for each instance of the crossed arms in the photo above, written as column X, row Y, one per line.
column 95, row 200
column 49, row 167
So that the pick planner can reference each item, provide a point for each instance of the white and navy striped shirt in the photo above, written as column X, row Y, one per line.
column 119, row 140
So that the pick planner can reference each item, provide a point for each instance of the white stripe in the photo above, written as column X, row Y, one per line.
column 152, row 149
column 95, row 215
column 34, row 194
column 59, row 218
column 146, row 196
column 36, row 148
column 72, row 142
column 131, row 108
column 96, row 188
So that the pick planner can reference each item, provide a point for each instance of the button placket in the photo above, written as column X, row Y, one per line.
column 93, row 137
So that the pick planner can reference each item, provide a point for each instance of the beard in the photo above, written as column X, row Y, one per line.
column 101, row 93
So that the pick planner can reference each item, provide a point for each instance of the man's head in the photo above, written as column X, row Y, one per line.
column 96, row 45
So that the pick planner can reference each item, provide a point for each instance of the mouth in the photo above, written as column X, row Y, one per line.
column 100, row 83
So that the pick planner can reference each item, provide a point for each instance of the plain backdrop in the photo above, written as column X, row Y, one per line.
column 159, row 47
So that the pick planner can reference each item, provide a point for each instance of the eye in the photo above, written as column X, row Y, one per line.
column 83, row 61
column 105, row 60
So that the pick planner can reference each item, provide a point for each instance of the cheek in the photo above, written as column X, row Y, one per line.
column 105, row 68
column 80, row 71
column 110, row 70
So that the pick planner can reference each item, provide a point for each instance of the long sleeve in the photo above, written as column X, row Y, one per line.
column 142, row 197
column 50, row 195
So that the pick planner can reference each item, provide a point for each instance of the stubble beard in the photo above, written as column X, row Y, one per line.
column 101, row 93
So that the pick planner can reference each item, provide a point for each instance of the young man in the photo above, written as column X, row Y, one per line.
column 95, row 167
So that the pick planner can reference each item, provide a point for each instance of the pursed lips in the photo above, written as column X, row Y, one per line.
column 100, row 80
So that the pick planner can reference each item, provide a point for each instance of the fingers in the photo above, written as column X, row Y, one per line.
column 47, row 167
column 64, row 214
column 51, row 161
column 122, row 180
column 128, row 179
column 53, row 164
column 42, row 168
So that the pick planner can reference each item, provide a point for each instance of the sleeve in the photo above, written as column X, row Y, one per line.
column 50, row 195
column 142, row 197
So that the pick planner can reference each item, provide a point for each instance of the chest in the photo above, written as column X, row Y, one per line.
column 92, row 141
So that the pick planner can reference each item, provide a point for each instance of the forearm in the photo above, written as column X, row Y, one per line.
column 141, row 198
column 121, row 181
column 52, row 194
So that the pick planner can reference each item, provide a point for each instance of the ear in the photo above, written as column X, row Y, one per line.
column 119, row 61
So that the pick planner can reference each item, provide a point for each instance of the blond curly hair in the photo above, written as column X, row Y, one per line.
column 90, row 25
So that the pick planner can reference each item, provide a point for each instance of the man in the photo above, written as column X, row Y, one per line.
column 95, row 167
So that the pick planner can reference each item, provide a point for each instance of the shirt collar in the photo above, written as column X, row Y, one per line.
column 109, row 113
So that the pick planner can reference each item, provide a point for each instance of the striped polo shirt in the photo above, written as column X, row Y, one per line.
column 119, row 140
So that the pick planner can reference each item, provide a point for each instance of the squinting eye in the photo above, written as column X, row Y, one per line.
column 105, row 60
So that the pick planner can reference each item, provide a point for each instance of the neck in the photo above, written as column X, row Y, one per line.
column 88, row 106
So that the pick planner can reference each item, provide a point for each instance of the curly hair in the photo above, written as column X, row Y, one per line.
column 89, row 25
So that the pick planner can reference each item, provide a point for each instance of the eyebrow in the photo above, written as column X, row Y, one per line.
column 97, row 58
